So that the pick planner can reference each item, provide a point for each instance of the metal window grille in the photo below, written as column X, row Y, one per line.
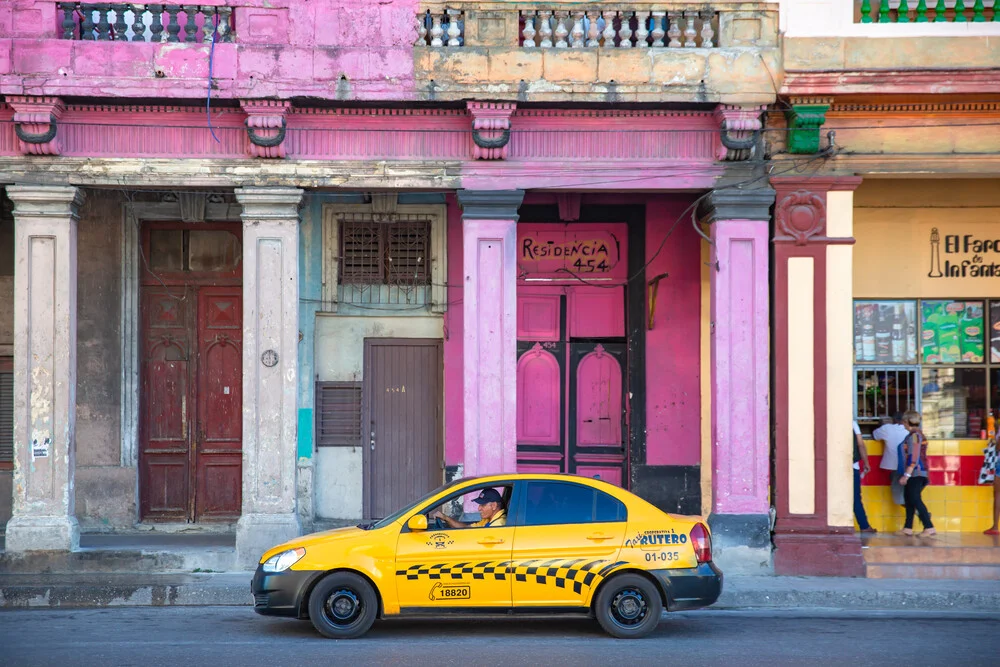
column 6, row 416
column 394, row 253
column 408, row 248
column 338, row 414
column 883, row 391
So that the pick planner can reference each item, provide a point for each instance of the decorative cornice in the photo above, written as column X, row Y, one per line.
column 921, row 81
column 490, row 129
column 804, row 121
column 917, row 107
column 490, row 204
column 36, row 123
column 739, row 131
column 266, row 127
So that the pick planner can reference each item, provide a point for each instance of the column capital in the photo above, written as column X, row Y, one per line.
column 490, row 204
column 800, row 210
column 736, row 204
column 815, row 183
column 267, row 203
column 46, row 201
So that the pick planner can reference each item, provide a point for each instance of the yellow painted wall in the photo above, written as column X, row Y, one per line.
column 801, row 373
column 893, row 224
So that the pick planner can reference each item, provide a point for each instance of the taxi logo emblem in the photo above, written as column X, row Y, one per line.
column 439, row 541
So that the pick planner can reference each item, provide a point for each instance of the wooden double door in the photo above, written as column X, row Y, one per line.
column 571, row 402
column 191, row 400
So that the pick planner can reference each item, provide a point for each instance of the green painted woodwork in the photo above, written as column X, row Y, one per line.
column 922, row 11
column 883, row 12
column 960, row 12
column 939, row 10
column 904, row 12
column 804, row 122
column 978, row 15
column 866, row 11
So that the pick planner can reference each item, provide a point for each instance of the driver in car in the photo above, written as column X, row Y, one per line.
column 491, row 510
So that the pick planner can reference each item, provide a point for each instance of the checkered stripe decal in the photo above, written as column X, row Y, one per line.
column 561, row 573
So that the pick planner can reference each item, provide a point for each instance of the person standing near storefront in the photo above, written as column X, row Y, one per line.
column 891, row 436
column 860, row 459
column 912, row 455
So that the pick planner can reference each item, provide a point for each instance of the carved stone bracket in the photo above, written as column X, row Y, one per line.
column 805, row 118
column 800, row 215
column 36, row 123
column 266, row 127
column 490, row 129
column 739, row 131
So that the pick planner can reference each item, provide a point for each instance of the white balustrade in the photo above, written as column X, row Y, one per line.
column 618, row 28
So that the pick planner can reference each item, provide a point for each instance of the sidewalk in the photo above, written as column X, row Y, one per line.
column 233, row 589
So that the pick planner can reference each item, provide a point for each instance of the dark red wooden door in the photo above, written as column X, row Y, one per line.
column 191, row 401
column 218, row 449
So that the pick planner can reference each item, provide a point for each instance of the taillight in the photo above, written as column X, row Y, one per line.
column 702, row 543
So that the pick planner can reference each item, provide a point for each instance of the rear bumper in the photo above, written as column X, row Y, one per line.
column 690, row 588
column 281, row 593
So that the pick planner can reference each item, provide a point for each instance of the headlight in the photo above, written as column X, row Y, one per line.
column 284, row 560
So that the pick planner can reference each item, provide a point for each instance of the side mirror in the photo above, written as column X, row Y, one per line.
column 417, row 522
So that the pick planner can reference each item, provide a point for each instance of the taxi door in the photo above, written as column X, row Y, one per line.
column 568, row 535
column 463, row 567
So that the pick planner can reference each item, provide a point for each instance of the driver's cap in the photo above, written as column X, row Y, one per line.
column 488, row 496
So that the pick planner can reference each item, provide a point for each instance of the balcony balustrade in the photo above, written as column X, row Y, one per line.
column 601, row 24
column 145, row 22
column 926, row 11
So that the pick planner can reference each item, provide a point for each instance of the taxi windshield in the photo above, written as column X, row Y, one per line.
column 381, row 523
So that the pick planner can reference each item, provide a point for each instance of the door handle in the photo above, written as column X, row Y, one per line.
column 597, row 537
column 489, row 541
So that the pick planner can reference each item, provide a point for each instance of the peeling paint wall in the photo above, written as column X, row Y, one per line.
column 6, row 337
column 105, row 492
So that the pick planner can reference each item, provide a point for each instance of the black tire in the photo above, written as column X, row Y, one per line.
column 343, row 606
column 628, row 606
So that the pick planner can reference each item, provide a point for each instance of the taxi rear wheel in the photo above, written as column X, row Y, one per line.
column 343, row 606
column 628, row 606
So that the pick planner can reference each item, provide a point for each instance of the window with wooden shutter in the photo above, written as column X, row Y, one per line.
column 6, row 413
column 338, row 414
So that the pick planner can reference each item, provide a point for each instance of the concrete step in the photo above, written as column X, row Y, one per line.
column 979, row 572
column 933, row 555
column 148, row 560
column 124, row 590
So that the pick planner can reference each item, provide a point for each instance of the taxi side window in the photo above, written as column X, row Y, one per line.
column 550, row 503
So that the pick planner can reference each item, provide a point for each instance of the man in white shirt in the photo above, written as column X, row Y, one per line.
column 891, row 435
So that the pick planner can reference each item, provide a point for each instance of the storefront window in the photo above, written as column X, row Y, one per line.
column 938, row 356
column 953, row 402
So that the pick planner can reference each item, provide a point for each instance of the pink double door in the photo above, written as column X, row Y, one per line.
column 572, row 414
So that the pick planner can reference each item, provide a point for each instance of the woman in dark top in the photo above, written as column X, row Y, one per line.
column 913, row 475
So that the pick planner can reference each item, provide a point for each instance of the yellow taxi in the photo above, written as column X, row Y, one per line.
column 534, row 543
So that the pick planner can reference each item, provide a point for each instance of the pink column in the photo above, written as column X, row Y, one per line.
column 740, row 366
column 489, row 300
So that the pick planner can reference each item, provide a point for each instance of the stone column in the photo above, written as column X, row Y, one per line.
column 489, row 299
column 45, row 219
column 270, row 362
column 813, row 343
column 741, row 444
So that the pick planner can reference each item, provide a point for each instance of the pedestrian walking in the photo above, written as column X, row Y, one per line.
column 891, row 435
column 913, row 476
column 861, row 468
column 988, row 474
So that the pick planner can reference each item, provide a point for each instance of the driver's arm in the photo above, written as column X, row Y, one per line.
column 454, row 523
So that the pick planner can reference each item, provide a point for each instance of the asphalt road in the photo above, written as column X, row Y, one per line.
column 220, row 636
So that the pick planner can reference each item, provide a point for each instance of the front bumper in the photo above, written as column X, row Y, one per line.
column 690, row 588
column 282, row 593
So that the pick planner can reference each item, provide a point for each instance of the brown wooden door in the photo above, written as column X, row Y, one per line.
column 190, row 428
column 402, row 423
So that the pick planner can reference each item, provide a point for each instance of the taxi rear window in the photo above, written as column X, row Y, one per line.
column 549, row 503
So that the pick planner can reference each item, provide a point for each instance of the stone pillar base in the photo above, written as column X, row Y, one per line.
column 818, row 554
column 256, row 533
column 42, row 533
column 741, row 543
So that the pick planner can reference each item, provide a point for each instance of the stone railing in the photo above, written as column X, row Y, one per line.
column 577, row 25
column 145, row 22
column 926, row 11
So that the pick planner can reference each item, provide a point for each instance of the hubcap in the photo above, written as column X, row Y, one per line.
column 628, row 607
column 343, row 607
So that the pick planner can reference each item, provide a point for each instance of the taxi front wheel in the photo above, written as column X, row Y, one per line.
column 343, row 606
column 628, row 606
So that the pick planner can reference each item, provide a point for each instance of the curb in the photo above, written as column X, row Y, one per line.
column 928, row 600
column 190, row 590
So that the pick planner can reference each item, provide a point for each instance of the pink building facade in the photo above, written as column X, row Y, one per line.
column 272, row 265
